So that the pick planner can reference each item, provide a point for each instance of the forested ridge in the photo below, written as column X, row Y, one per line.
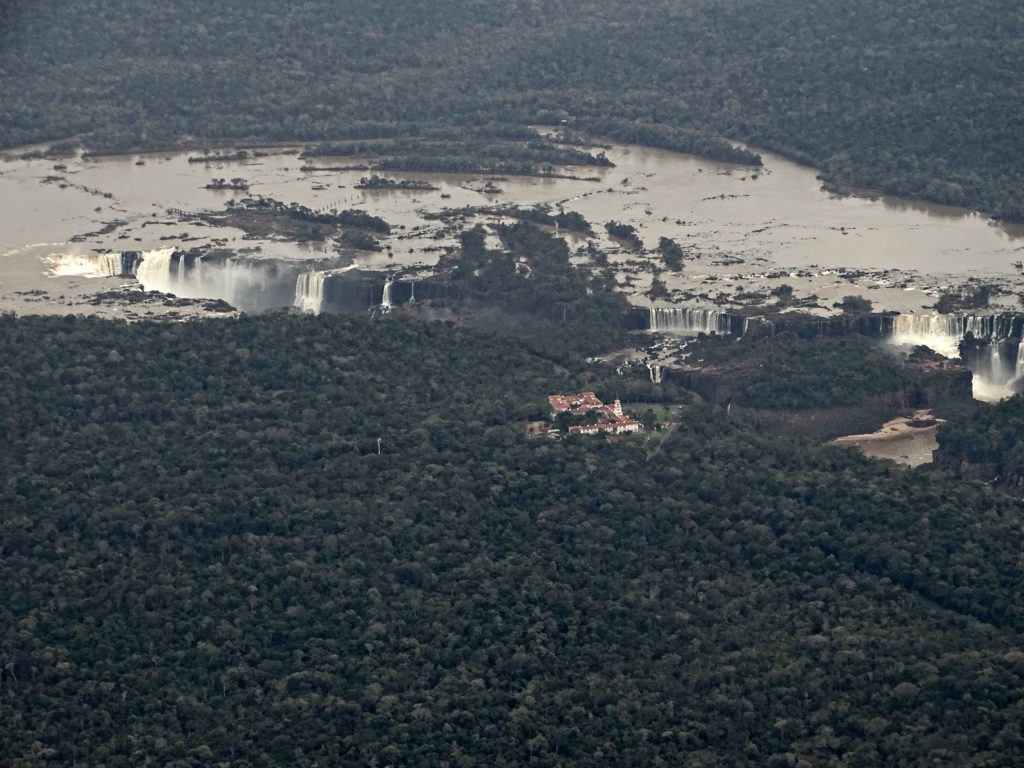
column 206, row 561
column 914, row 98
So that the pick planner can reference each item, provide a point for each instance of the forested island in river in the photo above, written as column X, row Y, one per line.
column 289, row 293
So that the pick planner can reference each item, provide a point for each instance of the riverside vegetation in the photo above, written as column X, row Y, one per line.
column 210, row 559
column 916, row 98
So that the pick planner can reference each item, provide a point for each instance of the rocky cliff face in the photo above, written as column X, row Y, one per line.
column 807, row 327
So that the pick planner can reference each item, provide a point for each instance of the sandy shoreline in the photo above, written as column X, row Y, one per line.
column 908, row 440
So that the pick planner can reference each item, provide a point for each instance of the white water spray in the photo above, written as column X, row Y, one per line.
column 309, row 291
column 87, row 265
column 941, row 333
column 994, row 376
column 245, row 283
column 154, row 271
column 684, row 320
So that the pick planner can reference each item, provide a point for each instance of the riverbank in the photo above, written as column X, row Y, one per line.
column 908, row 440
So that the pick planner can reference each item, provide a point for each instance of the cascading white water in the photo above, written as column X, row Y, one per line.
column 998, row 369
column 385, row 302
column 154, row 271
column 309, row 291
column 412, row 292
column 111, row 263
column 941, row 333
column 239, row 278
column 250, row 284
column 685, row 320
column 244, row 283
column 86, row 265
column 656, row 373
column 994, row 376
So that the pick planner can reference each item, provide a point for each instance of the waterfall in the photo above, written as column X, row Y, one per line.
column 928, row 325
column 995, row 360
column 941, row 333
column 94, row 264
column 242, row 277
column 938, row 332
column 997, row 369
column 154, row 270
column 1001, row 365
column 684, row 320
column 250, row 284
column 412, row 292
column 385, row 302
column 110, row 264
column 309, row 291
column 130, row 261
column 655, row 371
column 942, row 328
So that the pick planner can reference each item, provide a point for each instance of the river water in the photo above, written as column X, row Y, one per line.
column 746, row 229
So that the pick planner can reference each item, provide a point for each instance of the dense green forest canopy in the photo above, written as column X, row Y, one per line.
column 987, row 445
column 207, row 560
column 915, row 98
column 788, row 372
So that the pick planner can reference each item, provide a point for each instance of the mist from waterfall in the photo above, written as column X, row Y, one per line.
column 233, row 280
column 249, row 284
column 997, row 368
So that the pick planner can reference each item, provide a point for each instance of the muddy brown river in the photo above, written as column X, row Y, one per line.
column 745, row 229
